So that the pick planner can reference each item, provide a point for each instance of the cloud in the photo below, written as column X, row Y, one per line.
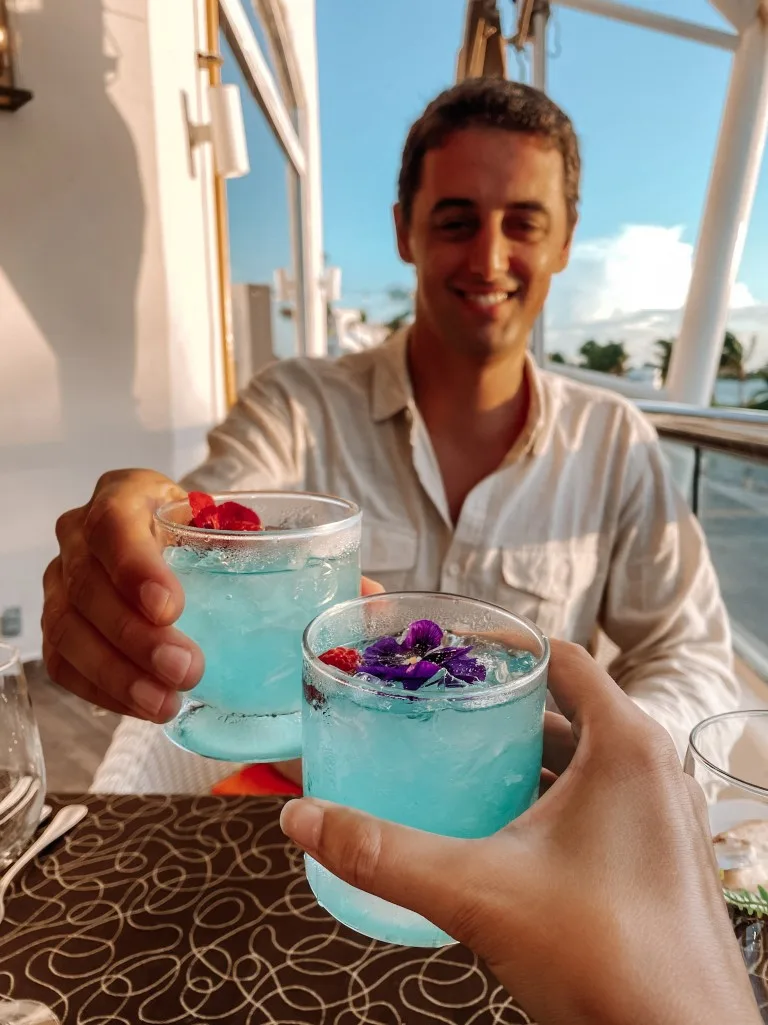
column 632, row 287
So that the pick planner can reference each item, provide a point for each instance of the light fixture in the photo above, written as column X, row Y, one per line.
column 225, row 131
column 11, row 97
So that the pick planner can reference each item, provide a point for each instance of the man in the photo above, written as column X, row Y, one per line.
column 601, row 905
column 476, row 472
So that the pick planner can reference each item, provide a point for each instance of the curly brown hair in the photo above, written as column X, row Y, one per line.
column 490, row 103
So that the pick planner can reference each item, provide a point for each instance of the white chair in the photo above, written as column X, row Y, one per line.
column 141, row 760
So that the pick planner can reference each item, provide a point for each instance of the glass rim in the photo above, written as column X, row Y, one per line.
column 473, row 692
column 353, row 514
column 9, row 656
column 717, row 770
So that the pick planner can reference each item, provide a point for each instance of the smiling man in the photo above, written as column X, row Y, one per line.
column 477, row 472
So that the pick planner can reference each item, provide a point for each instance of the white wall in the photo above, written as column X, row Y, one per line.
column 108, row 311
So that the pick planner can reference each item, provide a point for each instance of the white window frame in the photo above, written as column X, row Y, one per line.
column 234, row 22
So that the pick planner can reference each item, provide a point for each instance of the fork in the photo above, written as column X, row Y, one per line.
column 63, row 821
column 19, row 796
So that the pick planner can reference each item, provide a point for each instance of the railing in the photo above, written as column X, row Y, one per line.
column 720, row 458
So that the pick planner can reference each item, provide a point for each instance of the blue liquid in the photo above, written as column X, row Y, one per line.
column 247, row 706
column 462, row 769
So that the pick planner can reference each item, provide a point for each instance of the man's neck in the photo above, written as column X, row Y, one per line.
column 457, row 394
column 473, row 410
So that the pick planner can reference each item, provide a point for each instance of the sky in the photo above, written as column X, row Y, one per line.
column 646, row 108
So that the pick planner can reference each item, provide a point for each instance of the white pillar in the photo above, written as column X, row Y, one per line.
column 300, row 16
column 539, row 81
column 696, row 354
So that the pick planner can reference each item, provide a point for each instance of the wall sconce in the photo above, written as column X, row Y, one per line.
column 11, row 97
column 225, row 131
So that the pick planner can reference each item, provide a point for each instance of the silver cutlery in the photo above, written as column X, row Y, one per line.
column 63, row 821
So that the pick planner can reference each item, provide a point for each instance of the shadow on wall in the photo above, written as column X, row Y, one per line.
column 73, row 215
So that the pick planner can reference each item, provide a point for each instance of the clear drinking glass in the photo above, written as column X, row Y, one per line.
column 22, row 769
column 728, row 756
column 249, row 596
column 26, row 1012
column 458, row 760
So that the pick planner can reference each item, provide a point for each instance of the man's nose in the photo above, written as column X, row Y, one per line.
column 489, row 257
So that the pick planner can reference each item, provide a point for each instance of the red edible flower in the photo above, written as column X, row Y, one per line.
column 227, row 516
column 346, row 659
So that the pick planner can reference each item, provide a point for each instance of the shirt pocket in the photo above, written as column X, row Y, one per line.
column 388, row 554
column 550, row 584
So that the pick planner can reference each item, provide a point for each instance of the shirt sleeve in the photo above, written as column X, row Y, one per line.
column 662, row 606
column 260, row 445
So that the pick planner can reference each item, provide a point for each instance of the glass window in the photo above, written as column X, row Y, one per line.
column 263, row 223
column 733, row 511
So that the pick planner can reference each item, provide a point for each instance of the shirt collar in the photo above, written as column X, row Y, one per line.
column 392, row 393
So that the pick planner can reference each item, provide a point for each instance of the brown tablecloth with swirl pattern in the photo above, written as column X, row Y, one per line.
column 195, row 911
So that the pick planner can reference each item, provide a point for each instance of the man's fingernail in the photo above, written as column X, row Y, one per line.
column 172, row 662
column 148, row 695
column 302, row 821
column 154, row 598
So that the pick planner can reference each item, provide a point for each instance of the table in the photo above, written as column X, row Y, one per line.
column 196, row 911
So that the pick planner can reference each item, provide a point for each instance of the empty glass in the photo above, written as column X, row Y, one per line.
column 728, row 756
column 26, row 1012
column 22, row 770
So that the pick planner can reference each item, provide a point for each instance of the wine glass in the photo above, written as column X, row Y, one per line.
column 728, row 756
column 22, row 769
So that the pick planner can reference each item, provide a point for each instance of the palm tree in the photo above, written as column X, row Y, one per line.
column 610, row 358
column 664, row 354
column 400, row 295
column 732, row 357
column 760, row 401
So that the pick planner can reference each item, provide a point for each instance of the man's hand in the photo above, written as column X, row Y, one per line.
column 601, row 903
column 110, row 601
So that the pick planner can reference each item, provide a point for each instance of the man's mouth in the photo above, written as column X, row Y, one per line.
column 485, row 301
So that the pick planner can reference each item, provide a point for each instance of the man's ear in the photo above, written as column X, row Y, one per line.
column 565, row 254
column 403, row 234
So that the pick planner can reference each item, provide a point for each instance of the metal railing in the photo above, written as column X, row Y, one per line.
column 727, row 482
column 735, row 432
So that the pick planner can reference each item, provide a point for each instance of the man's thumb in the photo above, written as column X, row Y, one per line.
column 419, row 871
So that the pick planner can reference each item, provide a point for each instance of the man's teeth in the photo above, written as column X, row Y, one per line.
column 488, row 298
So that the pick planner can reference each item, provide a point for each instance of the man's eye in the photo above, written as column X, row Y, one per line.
column 455, row 225
column 524, row 228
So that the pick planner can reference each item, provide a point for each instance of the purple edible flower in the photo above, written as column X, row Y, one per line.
column 418, row 657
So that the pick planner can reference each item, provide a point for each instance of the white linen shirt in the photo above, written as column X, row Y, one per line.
column 581, row 526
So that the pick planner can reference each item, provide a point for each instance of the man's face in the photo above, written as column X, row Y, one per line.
column 488, row 229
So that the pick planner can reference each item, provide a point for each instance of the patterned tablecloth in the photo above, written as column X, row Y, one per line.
column 196, row 911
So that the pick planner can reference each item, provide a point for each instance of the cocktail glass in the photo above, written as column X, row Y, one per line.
column 248, row 598
column 458, row 759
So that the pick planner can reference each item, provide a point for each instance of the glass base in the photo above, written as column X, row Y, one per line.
column 230, row 737
column 369, row 915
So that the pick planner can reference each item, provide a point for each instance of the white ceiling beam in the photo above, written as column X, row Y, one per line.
column 657, row 22
column 740, row 13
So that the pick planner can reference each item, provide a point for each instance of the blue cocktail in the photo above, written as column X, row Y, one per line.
column 248, row 598
column 424, row 709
